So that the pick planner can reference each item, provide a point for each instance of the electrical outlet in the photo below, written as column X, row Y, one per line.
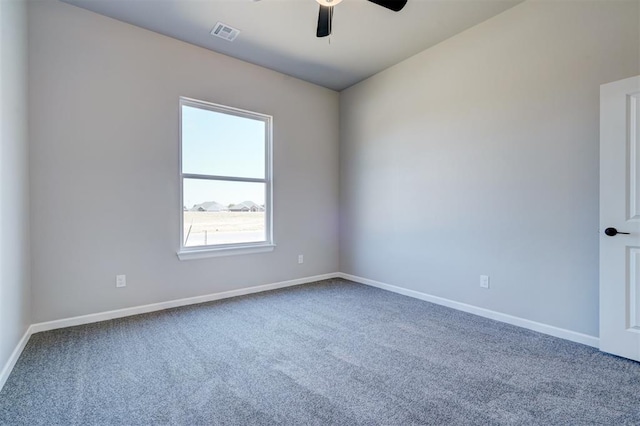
column 300, row 259
column 121, row 280
column 484, row 281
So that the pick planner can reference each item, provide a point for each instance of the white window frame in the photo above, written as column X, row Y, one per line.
column 213, row 250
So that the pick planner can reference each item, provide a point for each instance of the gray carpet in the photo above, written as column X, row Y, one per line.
column 334, row 352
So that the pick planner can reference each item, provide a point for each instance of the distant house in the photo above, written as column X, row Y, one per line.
column 246, row 206
column 209, row 206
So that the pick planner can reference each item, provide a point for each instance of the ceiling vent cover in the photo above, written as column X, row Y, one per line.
column 224, row 31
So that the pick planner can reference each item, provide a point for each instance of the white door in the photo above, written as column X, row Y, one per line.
column 620, row 214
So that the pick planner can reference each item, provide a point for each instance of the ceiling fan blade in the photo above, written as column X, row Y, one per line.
column 395, row 5
column 324, row 21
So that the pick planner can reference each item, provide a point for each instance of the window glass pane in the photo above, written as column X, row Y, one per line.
column 222, row 212
column 214, row 143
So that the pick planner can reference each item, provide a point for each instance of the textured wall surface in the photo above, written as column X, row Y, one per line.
column 480, row 156
column 104, row 165
column 15, row 290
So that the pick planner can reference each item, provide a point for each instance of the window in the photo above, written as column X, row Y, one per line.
column 225, row 170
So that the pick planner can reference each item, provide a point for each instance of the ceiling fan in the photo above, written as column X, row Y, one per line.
column 326, row 12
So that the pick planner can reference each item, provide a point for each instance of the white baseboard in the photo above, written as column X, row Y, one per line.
column 562, row 333
column 119, row 313
column 11, row 362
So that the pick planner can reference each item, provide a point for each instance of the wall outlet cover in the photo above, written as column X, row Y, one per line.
column 484, row 281
column 121, row 280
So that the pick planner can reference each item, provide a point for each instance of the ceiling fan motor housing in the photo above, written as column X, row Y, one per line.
column 326, row 12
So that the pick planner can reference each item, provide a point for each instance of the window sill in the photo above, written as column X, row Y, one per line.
column 224, row 251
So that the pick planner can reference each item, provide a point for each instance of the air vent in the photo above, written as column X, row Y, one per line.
column 224, row 31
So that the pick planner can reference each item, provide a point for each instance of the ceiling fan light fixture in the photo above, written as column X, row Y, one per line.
column 328, row 3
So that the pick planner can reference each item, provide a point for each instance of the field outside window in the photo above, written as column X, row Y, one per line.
column 226, row 177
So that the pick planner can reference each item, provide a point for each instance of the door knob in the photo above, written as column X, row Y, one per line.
column 612, row 232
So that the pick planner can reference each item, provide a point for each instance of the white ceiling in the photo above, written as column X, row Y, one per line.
column 280, row 34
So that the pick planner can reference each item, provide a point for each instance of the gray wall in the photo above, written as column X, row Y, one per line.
column 15, row 291
column 104, row 165
column 480, row 156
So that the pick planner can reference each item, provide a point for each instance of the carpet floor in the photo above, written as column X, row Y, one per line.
column 329, row 353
